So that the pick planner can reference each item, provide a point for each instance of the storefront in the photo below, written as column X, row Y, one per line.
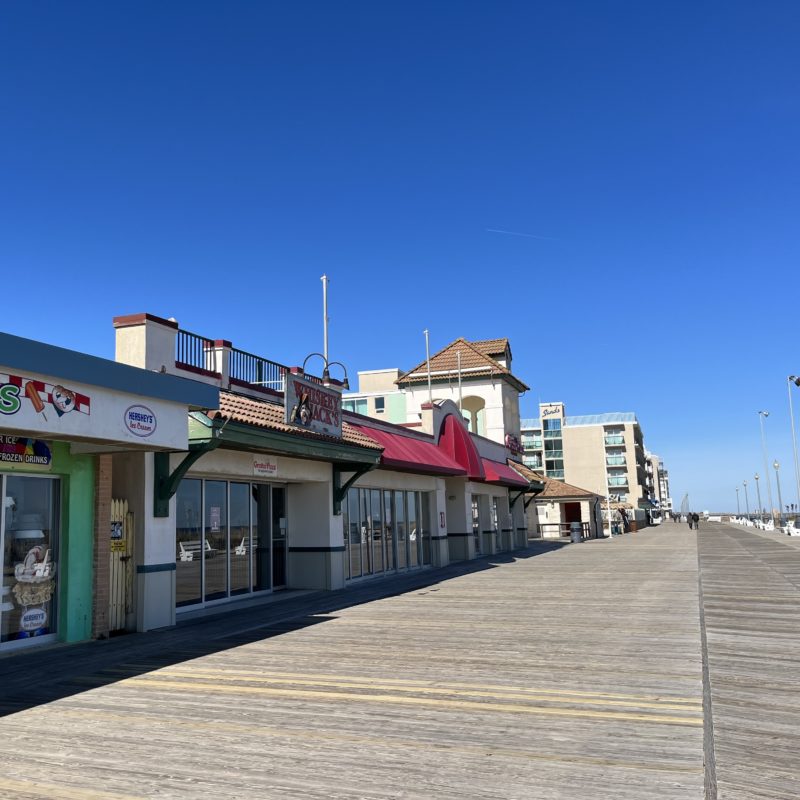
column 260, row 507
column 61, row 414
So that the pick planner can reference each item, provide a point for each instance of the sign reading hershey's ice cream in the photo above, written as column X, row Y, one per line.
column 33, row 404
column 313, row 407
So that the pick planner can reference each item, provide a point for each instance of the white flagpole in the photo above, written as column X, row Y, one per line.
column 459, row 383
column 324, row 280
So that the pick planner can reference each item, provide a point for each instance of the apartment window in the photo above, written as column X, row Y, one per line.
column 358, row 406
column 380, row 405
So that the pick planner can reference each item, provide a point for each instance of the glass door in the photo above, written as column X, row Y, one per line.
column 476, row 524
column 261, row 566
column 279, row 531
column 29, row 541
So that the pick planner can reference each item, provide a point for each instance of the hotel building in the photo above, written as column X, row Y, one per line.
column 602, row 452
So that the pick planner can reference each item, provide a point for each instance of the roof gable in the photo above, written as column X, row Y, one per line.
column 472, row 359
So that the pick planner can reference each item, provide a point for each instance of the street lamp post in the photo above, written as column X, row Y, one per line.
column 776, row 465
column 746, row 499
column 758, row 494
column 761, row 415
column 793, row 379
column 738, row 510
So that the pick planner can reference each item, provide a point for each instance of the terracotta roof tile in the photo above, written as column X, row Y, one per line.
column 554, row 489
column 526, row 472
column 492, row 347
column 263, row 414
column 472, row 359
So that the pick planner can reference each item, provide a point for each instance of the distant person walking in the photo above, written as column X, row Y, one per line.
column 696, row 521
column 690, row 520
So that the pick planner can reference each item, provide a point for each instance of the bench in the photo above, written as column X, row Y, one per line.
column 187, row 550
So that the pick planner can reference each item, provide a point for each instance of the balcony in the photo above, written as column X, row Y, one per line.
column 553, row 454
column 231, row 367
column 558, row 474
column 616, row 461
column 614, row 439
column 552, row 434
column 618, row 481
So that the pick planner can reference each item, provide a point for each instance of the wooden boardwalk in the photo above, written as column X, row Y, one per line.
column 567, row 672
column 751, row 594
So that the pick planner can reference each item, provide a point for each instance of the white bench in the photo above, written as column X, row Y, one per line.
column 188, row 550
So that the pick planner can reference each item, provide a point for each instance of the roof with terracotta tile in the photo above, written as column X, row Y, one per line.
column 557, row 490
column 526, row 472
column 263, row 414
column 478, row 363
column 493, row 347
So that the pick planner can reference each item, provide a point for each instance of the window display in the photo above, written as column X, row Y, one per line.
column 29, row 537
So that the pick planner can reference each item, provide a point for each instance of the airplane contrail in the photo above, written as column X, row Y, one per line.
column 526, row 235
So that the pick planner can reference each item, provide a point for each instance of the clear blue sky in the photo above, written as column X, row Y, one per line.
column 209, row 161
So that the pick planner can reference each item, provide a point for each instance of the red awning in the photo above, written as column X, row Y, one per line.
column 503, row 474
column 409, row 453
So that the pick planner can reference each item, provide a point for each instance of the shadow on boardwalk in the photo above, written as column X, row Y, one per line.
column 41, row 675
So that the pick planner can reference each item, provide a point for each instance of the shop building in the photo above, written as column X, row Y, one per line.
column 63, row 416
column 280, row 488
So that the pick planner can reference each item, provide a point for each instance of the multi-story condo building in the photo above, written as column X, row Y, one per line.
column 600, row 452
column 658, row 483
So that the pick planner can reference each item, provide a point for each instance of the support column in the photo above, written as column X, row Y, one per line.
column 315, row 538
column 102, row 545
column 458, row 503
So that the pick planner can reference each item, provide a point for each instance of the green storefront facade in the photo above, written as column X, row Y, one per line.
column 62, row 416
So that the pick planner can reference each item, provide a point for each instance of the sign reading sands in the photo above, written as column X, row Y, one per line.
column 313, row 407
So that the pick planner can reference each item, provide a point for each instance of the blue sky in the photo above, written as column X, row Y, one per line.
column 209, row 161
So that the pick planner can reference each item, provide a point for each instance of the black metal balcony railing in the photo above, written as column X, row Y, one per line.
column 195, row 353
column 257, row 371
column 206, row 357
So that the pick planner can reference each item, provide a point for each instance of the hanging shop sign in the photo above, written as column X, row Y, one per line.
column 265, row 467
column 512, row 443
column 38, row 404
column 24, row 452
column 312, row 407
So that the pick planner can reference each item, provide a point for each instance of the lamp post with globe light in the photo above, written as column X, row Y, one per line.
column 761, row 416
column 794, row 379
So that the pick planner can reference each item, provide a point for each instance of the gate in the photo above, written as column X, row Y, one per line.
column 120, row 576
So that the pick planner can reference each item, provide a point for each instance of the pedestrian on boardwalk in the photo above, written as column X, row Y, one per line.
column 696, row 520
column 690, row 520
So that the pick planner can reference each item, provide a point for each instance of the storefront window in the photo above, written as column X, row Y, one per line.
column 400, row 530
column 189, row 562
column 425, row 524
column 414, row 536
column 376, row 531
column 239, row 547
column 230, row 539
column 29, row 537
column 384, row 530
